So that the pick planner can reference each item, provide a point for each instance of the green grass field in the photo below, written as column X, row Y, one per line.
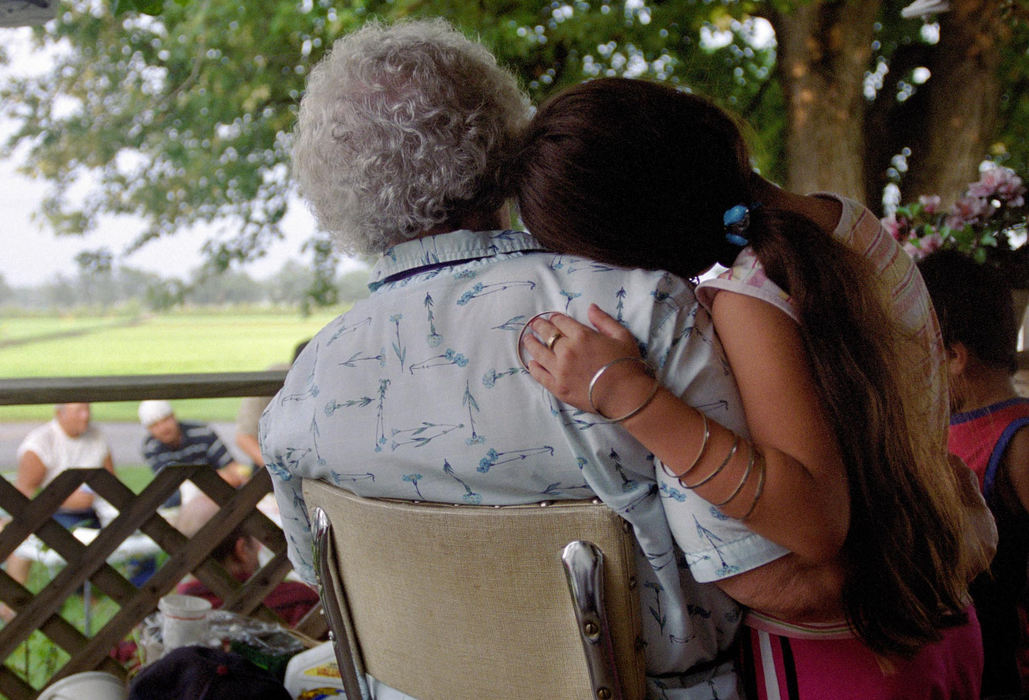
column 165, row 344
column 37, row 326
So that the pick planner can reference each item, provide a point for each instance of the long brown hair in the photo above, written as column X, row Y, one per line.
column 636, row 173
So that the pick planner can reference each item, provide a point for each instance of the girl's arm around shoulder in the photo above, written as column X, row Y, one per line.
column 791, row 589
column 789, row 471
column 805, row 505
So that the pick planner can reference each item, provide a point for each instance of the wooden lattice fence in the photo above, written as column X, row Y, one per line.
column 89, row 562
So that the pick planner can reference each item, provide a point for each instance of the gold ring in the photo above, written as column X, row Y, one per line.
column 553, row 339
column 521, row 335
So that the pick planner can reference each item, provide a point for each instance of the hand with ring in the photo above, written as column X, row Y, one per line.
column 566, row 354
column 552, row 340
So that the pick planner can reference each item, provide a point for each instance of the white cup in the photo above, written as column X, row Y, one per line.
column 184, row 620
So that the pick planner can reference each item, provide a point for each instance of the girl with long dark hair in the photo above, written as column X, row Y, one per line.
column 830, row 334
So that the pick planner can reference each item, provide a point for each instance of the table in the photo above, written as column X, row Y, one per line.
column 134, row 546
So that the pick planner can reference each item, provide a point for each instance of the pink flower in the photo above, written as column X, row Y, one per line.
column 914, row 251
column 918, row 248
column 968, row 210
column 933, row 241
column 981, row 221
column 930, row 204
column 895, row 228
column 999, row 182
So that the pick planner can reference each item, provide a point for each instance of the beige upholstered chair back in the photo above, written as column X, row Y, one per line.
column 451, row 602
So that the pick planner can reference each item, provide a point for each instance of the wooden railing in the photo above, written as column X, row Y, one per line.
column 135, row 513
column 43, row 390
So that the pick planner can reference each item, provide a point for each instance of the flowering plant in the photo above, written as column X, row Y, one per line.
column 988, row 222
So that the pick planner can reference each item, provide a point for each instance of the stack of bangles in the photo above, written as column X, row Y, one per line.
column 755, row 457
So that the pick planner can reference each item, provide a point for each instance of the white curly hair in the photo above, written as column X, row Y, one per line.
column 402, row 128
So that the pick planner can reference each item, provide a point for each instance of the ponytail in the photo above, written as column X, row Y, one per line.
column 902, row 550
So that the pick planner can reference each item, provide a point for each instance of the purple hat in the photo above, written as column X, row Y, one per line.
column 202, row 673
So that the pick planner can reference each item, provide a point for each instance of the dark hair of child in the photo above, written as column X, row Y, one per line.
column 974, row 305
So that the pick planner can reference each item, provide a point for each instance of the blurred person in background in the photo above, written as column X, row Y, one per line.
column 174, row 442
column 989, row 430
column 171, row 442
column 250, row 410
column 69, row 441
column 239, row 553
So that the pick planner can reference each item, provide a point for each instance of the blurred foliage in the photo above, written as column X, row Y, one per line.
column 127, row 290
column 182, row 109
column 1011, row 147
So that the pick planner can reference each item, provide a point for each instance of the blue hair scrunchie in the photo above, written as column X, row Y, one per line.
column 736, row 221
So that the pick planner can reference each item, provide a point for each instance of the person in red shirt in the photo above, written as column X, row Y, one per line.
column 989, row 430
column 238, row 553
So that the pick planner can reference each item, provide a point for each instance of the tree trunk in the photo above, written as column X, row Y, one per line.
column 824, row 50
column 961, row 101
column 836, row 140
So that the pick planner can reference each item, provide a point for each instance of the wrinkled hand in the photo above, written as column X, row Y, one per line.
column 566, row 368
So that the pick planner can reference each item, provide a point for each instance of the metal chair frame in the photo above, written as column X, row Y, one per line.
column 584, row 569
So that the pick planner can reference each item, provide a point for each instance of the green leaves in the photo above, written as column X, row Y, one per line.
column 149, row 7
column 179, row 112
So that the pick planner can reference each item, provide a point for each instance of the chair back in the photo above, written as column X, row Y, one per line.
column 460, row 601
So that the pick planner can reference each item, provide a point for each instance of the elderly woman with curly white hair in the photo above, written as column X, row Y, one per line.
column 403, row 147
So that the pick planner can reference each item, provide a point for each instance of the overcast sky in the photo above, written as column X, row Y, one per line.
column 31, row 254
